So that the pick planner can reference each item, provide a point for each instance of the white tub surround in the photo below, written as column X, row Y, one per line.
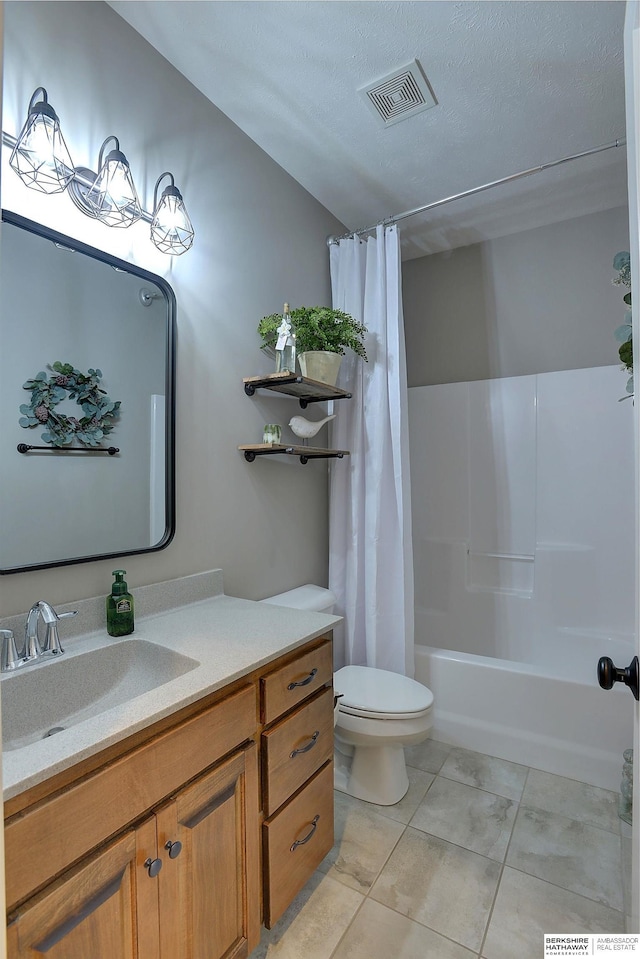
column 228, row 637
column 522, row 497
column 523, row 492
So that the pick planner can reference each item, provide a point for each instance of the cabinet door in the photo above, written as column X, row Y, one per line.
column 93, row 911
column 209, row 891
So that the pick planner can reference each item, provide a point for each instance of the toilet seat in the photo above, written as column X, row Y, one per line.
column 380, row 694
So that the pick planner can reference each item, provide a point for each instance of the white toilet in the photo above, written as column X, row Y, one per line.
column 378, row 714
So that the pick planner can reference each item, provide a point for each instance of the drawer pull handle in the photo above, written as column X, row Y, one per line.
column 153, row 866
column 174, row 848
column 303, row 682
column 301, row 842
column 305, row 749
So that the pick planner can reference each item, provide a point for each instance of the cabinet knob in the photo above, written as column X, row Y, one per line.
column 174, row 848
column 153, row 866
column 303, row 682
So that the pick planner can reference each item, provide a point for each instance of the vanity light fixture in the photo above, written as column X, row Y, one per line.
column 171, row 228
column 111, row 196
column 40, row 156
column 41, row 159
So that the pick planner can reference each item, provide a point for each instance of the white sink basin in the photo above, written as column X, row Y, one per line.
column 43, row 699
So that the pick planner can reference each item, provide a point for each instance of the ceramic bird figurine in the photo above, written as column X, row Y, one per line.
column 307, row 428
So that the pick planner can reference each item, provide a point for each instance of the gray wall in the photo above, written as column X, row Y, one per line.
column 260, row 240
column 534, row 302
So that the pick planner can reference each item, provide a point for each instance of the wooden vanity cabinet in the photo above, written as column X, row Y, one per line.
column 196, row 906
column 154, row 852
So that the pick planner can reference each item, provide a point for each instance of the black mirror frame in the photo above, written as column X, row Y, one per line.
column 170, row 376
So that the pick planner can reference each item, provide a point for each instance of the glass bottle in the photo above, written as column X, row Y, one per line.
column 286, row 344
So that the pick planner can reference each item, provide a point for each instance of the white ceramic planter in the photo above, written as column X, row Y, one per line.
column 320, row 365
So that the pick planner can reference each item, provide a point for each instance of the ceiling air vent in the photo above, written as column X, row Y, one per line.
column 399, row 95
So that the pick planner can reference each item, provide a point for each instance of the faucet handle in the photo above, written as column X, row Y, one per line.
column 10, row 658
column 51, row 618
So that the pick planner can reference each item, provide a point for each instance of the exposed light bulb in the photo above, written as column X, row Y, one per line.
column 171, row 228
column 40, row 156
column 113, row 197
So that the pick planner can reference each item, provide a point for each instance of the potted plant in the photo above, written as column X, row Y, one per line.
column 322, row 337
column 624, row 333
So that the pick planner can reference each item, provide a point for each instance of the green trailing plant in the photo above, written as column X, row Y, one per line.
column 317, row 328
column 624, row 333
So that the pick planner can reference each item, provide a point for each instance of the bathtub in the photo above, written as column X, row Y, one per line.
column 555, row 719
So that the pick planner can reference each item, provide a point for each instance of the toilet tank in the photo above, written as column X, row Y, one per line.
column 309, row 597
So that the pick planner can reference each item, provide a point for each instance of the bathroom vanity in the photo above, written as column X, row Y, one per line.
column 199, row 814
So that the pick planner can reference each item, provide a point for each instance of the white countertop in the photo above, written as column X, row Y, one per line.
column 228, row 637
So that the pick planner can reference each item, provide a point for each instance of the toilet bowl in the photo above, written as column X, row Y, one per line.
column 377, row 715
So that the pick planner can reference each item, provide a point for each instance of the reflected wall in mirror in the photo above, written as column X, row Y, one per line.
column 65, row 301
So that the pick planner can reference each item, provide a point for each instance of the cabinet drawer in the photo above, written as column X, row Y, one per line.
column 42, row 842
column 287, row 686
column 295, row 747
column 295, row 841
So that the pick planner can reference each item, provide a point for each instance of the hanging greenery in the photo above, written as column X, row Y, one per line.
column 624, row 333
column 99, row 411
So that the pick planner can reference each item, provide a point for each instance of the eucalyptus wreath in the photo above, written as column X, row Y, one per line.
column 99, row 411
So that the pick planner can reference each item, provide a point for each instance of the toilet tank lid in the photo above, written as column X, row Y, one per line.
column 379, row 690
column 309, row 597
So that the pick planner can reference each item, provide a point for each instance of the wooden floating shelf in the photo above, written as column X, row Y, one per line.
column 292, row 384
column 305, row 453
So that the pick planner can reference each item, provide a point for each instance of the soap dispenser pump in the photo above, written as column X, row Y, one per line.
column 119, row 607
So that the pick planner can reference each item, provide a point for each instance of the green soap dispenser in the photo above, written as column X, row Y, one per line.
column 119, row 607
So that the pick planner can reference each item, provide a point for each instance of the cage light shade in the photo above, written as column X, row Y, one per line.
column 40, row 156
column 113, row 198
column 171, row 228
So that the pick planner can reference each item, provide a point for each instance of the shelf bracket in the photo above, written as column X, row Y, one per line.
column 250, row 455
column 305, row 400
column 304, row 454
column 329, row 455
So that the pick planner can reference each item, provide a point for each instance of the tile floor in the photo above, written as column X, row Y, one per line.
column 479, row 859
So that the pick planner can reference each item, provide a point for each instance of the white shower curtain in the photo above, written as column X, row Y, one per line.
column 370, row 549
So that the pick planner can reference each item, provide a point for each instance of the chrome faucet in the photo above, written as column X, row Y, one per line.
column 32, row 650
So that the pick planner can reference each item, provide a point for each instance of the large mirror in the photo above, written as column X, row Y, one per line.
column 70, row 312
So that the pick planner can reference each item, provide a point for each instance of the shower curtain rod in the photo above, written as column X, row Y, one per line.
column 478, row 189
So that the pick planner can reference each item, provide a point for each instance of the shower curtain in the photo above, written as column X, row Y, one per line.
column 370, row 549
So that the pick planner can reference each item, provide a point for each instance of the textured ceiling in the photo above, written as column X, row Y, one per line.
column 517, row 84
